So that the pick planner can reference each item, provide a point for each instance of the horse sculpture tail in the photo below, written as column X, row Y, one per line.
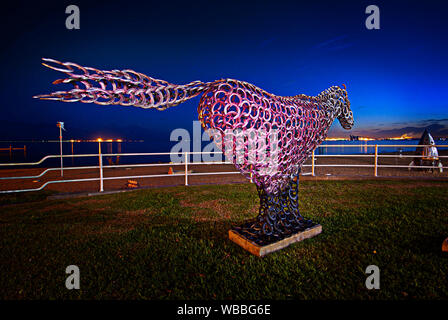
column 119, row 87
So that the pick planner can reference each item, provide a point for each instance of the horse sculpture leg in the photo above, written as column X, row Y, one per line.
column 278, row 217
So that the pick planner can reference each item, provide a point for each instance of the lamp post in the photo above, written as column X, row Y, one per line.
column 61, row 127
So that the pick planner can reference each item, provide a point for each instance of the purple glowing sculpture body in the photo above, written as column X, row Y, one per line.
column 300, row 124
column 267, row 137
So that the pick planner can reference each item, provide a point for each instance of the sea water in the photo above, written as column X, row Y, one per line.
column 36, row 150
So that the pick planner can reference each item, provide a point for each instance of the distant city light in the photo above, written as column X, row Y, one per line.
column 335, row 139
column 365, row 139
column 403, row 137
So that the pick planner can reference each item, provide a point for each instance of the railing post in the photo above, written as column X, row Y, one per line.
column 186, row 168
column 100, row 160
column 60, row 147
column 376, row 160
column 312, row 164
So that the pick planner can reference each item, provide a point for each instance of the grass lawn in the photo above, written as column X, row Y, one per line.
column 172, row 243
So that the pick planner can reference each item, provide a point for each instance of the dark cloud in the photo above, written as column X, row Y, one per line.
column 437, row 127
column 341, row 47
column 437, row 130
column 329, row 42
column 334, row 44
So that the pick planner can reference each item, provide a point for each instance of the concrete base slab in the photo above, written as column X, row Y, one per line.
column 261, row 251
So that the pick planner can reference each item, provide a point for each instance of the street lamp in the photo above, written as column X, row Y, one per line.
column 60, row 125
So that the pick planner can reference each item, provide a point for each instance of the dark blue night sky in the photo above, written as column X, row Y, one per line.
column 396, row 76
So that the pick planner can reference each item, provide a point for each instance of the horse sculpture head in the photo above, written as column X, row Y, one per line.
column 344, row 113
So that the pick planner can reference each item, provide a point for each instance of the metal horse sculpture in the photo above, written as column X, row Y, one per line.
column 232, row 110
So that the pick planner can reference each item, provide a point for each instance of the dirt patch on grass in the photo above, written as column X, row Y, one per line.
column 90, row 201
column 346, row 203
column 125, row 221
column 65, row 206
column 254, row 210
column 120, row 223
column 181, row 194
column 416, row 184
column 399, row 188
column 204, row 208
column 57, row 207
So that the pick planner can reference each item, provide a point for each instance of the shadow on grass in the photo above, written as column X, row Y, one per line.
column 24, row 197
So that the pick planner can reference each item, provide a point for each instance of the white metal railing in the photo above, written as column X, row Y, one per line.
column 186, row 164
column 101, row 168
column 376, row 156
